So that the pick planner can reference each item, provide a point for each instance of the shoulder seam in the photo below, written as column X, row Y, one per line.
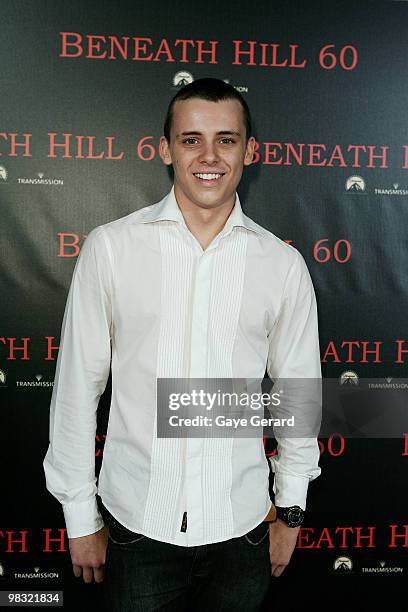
column 108, row 247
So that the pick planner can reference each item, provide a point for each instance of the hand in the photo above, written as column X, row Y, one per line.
column 282, row 541
column 88, row 555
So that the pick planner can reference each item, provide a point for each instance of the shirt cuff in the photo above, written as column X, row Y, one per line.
column 82, row 518
column 290, row 490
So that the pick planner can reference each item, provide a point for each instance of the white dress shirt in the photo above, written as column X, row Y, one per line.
column 147, row 300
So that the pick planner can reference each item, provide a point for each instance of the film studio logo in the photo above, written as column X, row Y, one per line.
column 349, row 379
column 3, row 174
column 356, row 185
column 181, row 78
column 3, row 379
column 343, row 565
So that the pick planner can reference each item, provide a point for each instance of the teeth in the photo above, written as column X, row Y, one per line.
column 208, row 177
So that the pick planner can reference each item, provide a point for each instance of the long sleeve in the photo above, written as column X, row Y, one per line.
column 82, row 371
column 294, row 354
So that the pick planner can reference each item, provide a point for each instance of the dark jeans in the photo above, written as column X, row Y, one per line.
column 142, row 575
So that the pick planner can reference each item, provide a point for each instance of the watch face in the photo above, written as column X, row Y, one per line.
column 292, row 516
column 295, row 515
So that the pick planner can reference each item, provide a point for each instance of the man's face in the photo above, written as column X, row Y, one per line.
column 208, row 151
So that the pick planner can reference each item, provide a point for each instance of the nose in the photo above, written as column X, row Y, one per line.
column 209, row 153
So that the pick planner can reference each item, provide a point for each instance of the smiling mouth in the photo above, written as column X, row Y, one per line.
column 208, row 177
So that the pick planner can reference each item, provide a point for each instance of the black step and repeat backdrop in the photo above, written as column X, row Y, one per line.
column 84, row 90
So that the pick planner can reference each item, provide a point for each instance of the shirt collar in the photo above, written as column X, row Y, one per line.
column 168, row 210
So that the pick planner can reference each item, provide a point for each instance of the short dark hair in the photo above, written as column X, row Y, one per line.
column 212, row 90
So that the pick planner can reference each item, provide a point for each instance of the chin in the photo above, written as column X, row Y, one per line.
column 211, row 194
column 210, row 202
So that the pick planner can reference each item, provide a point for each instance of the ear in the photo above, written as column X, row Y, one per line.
column 250, row 151
column 164, row 151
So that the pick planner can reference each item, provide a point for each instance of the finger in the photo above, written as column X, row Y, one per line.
column 99, row 573
column 277, row 570
column 87, row 574
column 77, row 570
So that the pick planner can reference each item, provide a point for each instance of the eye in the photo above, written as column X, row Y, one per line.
column 190, row 140
column 227, row 140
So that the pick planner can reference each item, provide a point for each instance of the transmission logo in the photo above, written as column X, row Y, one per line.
column 182, row 78
column 395, row 190
column 382, row 568
column 38, row 382
column 355, row 184
column 36, row 573
column 343, row 564
column 349, row 378
column 39, row 180
column 3, row 173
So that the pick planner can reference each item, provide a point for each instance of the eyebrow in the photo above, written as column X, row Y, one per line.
column 220, row 133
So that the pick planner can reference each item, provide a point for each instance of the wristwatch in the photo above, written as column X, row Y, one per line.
column 293, row 515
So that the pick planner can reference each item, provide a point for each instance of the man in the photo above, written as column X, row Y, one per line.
column 189, row 287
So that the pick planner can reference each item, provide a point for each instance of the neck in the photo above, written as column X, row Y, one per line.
column 204, row 223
